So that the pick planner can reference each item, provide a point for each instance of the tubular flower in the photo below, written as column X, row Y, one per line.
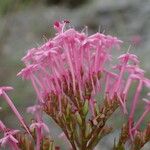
column 8, row 137
column 12, row 106
column 39, row 125
column 147, row 110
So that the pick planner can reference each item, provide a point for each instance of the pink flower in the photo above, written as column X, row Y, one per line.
column 124, row 59
column 28, row 58
column 142, row 81
column 12, row 106
column 28, row 73
column 69, row 59
column 10, row 139
column 129, row 57
column 140, row 120
column 128, row 64
column 39, row 125
column 77, row 66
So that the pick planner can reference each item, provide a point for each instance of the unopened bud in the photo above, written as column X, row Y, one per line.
column 85, row 107
column 79, row 119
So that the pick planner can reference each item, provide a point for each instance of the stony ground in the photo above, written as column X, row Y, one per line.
column 24, row 29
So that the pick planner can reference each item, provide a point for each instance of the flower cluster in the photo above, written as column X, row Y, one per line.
column 70, row 64
column 68, row 72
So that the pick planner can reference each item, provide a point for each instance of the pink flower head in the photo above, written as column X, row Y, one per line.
column 142, row 81
column 39, row 125
column 10, row 139
column 129, row 57
column 128, row 64
column 67, row 62
column 123, row 67
column 140, row 120
column 76, row 67
column 124, row 59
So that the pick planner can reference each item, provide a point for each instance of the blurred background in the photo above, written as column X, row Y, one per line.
column 25, row 23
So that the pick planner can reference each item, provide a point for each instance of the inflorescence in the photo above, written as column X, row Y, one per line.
column 68, row 73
